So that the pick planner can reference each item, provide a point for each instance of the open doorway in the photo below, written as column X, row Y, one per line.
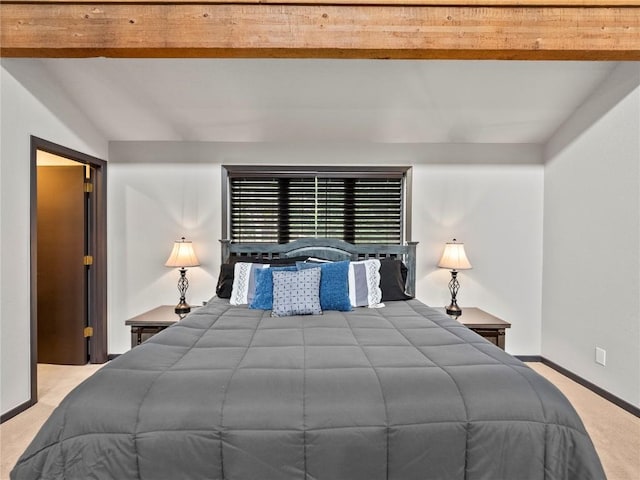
column 63, row 219
column 68, row 257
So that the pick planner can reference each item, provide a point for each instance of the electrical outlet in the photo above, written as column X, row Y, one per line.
column 601, row 356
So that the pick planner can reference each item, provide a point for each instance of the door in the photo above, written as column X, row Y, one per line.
column 61, row 273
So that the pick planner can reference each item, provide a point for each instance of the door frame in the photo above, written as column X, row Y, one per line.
column 97, row 272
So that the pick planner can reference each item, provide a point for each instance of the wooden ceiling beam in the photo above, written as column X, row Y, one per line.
column 425, row 3
column 134, row 30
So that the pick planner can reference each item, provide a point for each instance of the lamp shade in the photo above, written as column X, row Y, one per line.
column 454, row 257
column 182, row 255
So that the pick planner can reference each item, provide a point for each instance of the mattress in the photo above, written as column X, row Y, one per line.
column 401, row 392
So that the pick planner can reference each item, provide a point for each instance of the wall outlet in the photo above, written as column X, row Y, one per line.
column 601, row 356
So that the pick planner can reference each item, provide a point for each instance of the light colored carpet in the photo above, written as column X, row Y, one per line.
column 615, row 432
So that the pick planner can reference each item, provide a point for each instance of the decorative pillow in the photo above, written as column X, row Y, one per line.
column 225, row 281
column 263, row 298
column 244, row 282
column 364, row 283
column 393, row 279
column 225, row 278
column 334, row 284
column 296, row 293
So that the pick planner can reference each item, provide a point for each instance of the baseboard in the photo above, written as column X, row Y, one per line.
column 529, row 358
column 111, row 356
column 15, row 411
column 632, row 409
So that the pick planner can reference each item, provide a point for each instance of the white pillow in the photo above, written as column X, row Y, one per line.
column 364, row 283
column 296, row 293
column 244, row 282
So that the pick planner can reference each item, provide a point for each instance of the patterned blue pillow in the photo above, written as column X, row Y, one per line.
column 296, row 293
column 334, row 284
column 263, row 297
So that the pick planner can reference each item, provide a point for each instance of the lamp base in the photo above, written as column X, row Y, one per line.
column 453, row 309
column 182, row 308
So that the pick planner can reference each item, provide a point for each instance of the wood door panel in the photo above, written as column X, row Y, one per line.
column 61, row 273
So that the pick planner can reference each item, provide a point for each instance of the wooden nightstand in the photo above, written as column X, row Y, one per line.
column 147, row 324
column 490, row 327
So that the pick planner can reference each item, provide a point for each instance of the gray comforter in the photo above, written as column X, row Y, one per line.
column 402, row 392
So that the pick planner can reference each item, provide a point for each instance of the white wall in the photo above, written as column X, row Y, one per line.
column 591, row 294
column 31, row 105
column 497, row 212
column 495, row 209
column 149, row 207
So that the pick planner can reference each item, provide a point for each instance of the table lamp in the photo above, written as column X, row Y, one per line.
column 454, row 258
column 182, row 256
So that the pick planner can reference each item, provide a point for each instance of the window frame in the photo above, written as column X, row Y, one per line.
column 292, row 171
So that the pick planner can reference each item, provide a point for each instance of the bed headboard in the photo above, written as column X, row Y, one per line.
column 330, row 249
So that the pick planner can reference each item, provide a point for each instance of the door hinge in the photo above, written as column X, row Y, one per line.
column 87, row 260
column 88, row 332
column 88, row 187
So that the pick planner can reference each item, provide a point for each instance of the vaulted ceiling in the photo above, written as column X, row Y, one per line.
column 321, row 100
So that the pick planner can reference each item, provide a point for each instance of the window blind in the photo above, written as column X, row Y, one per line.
column 283, row 208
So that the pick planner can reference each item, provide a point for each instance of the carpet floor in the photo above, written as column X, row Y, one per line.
column 615, row 432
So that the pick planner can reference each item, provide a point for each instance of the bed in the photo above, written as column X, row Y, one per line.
column 397, row 392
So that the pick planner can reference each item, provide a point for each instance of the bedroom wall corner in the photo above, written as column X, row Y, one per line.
column 591, row 266
column 31, row 105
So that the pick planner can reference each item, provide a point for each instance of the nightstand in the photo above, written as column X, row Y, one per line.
column 147, row 324
column 490, row 327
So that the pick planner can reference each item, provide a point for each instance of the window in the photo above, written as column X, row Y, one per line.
column 280, row 204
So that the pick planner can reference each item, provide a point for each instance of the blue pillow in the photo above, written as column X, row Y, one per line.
column 334, row 284
column 263, row 298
